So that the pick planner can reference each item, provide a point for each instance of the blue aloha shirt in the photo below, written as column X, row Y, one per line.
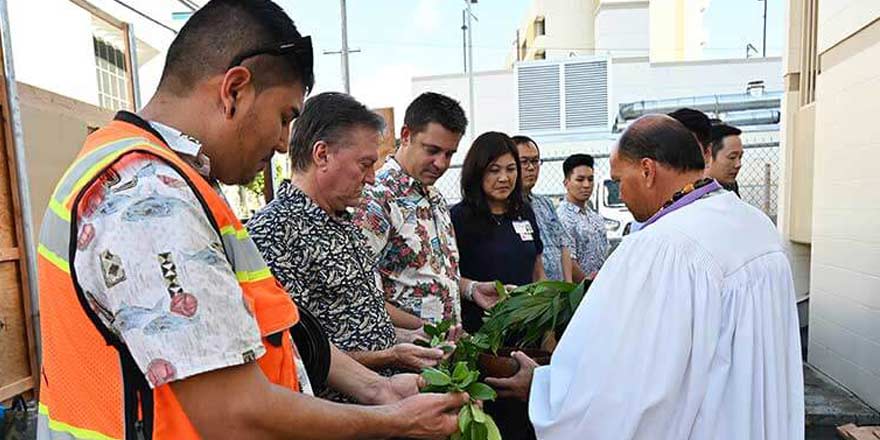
column 587, row 228
column 553, row 235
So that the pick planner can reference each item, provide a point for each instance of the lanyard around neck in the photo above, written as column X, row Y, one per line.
column 686, row 196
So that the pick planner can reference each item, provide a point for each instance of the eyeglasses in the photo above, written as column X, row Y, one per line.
column 535, row 162
column 301, row 48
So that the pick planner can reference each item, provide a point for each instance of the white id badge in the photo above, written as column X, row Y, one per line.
column 523, row 227
column 432, row 309
column 526, row 236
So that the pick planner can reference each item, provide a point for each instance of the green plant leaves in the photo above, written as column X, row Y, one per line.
column 532, row 311
column 481, row 391
column 435, row 377
column 465, row 417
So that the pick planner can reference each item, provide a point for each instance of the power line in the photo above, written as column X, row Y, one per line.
column 136, row 11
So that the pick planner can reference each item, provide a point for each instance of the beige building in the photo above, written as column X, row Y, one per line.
column 677, row 31
column 553, row 29
column 831, row 204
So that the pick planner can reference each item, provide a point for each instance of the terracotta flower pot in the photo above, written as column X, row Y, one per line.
column 503, row 365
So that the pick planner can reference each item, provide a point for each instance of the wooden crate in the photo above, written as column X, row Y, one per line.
column 18, row 368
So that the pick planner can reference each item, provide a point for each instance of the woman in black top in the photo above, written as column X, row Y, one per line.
column 498, row 239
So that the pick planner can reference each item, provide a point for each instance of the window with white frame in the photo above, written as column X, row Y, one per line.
column 111, row 75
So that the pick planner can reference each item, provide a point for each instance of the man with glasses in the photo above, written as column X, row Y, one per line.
column 160, row 316
column 557, row 243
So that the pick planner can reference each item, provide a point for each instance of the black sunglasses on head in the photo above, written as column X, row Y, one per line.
column 301, row 48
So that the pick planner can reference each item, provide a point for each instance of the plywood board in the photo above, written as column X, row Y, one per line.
column 15, row 365
column 7, row 221
column 18, row 364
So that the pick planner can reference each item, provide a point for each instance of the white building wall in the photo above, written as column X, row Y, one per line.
column 621, row 28
column 677, row 32
column 54, row 51
column 630, row 80
column 494, row 100
column 52, row 43
column 640, row 80
column 845, row 279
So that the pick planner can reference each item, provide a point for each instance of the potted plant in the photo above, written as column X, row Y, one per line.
column 525, row 320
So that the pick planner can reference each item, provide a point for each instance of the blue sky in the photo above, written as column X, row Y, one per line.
column 400, row 39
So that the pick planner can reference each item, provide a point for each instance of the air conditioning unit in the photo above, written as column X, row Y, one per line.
column 563, row 96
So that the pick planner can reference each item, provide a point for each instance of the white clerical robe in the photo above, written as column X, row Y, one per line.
column 690, row 331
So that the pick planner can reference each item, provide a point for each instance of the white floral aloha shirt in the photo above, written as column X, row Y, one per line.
column 152, row 267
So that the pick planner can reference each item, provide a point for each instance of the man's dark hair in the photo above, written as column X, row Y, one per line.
column 664, row 140
column 522, row 139
column 574, row 161
column 328, row 117
column 486, row 148
column 224, row 29
column 434, row 107
column 719, row 132
column 695, row 121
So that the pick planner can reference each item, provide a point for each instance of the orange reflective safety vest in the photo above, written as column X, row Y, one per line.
column 91, row 387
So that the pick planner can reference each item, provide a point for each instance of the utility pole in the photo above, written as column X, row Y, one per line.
column 464, row 28
column 516, row 46
column 764, row 46
column 470, row 41
column 344, row 55
column 346, row 84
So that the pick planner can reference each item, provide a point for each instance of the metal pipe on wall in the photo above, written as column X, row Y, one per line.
column 21, row 169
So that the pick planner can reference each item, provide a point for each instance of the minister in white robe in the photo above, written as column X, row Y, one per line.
column 689, row 331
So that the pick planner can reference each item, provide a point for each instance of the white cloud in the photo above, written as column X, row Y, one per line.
column 427, row 16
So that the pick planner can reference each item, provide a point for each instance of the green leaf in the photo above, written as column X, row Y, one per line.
column 431, row 330
column 576, row 295
column 436, row 377
column 481, row 391
column 464, row 418
column 422, row 343
column 444, row 327
column 446, row 348
column 435, row 389
column 494, row 433
column 477, row 412
column 456, row 436
column 501, row 290
column 478, row 431
column 460, row 373
column 471, row 378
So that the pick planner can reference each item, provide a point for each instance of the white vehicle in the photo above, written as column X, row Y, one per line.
column 611, row 208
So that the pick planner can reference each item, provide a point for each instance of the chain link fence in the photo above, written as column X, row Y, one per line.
column 758, row 178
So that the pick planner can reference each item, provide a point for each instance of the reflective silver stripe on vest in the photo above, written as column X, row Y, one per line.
column 48, row 429
column 242, row 253
column 84, row 164
column 55, row 235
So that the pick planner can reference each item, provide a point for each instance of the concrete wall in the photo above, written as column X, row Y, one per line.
column 845, row 285
column 54, row 129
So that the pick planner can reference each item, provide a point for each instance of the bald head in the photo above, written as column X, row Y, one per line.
column 663, row 139
column 655, row 157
